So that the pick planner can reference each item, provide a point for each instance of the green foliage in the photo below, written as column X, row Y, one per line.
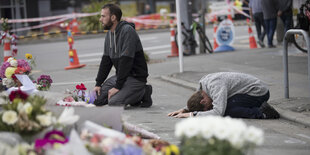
column 212, row 146
column 4, row 24
column 129, row 9
column 92, row 23
column 146, row 56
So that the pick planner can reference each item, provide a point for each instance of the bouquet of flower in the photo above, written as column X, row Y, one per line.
column 4, row 24
column 11, row 67
column 24, row 114
column 44, row 82
column 217, row 136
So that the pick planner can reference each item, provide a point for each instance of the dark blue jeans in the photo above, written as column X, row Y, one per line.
column 245, row 106
column 271, row 25
column 259, row 23
column 287, row 19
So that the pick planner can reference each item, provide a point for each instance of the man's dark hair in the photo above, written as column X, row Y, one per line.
column 114, row 10
column 193, row 103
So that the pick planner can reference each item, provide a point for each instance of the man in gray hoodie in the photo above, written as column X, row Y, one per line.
column 231, row 94
column 124, row 51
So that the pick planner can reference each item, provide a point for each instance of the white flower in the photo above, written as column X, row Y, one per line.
column 67, row 117
column 13, row 63
column 9, row 117
column 28, row 108
column 254, row 135
column 10, row 59
column 222, row 128
column 45, row 120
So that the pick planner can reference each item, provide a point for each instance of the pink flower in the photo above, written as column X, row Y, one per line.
column 68, row 99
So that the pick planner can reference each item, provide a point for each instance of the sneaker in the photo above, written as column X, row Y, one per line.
column 269, row 112
column 261, row 43
column 147, row 99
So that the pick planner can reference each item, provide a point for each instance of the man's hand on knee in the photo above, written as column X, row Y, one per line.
column 112, row 92
column 97, row 90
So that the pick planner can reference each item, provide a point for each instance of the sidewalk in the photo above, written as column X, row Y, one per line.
column 263, row 63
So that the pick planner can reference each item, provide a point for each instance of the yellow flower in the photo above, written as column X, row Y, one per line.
column 9, row 72
column 28, row 56
column 9, row 117
column 171, row 150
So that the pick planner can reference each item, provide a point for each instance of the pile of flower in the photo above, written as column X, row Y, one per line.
column 100, row 144
column 44, row 82
column 79, row 97
column 10, row 68
column 217, row 136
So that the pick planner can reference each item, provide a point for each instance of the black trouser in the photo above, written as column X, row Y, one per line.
column 259, row 23
column 131, row 92
column 245, row 106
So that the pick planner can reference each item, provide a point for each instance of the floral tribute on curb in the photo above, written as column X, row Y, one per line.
column 44, row 82
column 10, row 68
column 78, row 97
column 217, row 136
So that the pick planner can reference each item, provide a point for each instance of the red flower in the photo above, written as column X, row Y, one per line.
column 14, row 77
column 18, row 94
column 80, row 87
column 20, row 70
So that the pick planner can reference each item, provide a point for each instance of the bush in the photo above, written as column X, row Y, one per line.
column 92, row 23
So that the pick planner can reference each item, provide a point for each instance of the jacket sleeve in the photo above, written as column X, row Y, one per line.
column 128, row 49
column 104, row 69
column 218, row 93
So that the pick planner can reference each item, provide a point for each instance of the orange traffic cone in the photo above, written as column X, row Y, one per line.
column 251, row 36
column 215, row 45
column 7, row 49
column 174, row 48
column 73, row 58
column 14, row 45
column 229, row 15
column 75, row 26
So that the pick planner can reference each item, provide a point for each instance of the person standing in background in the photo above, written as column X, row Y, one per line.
column 256, row 14
column 285, row 12
column 269, row 8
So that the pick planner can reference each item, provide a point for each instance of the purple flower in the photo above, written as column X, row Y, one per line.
column 3, row 68
column 24, row 64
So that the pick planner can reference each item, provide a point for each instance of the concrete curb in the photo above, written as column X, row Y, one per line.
column 284, row 114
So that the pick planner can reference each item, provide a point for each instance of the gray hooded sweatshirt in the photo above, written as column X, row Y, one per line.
column 223, row 85
column 124, row 51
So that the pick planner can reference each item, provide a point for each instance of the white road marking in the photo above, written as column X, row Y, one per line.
column 90, row 54
column 90, row 60
column 148, row 38
column 304, row 136
column 294, row 141
column 156, row 47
